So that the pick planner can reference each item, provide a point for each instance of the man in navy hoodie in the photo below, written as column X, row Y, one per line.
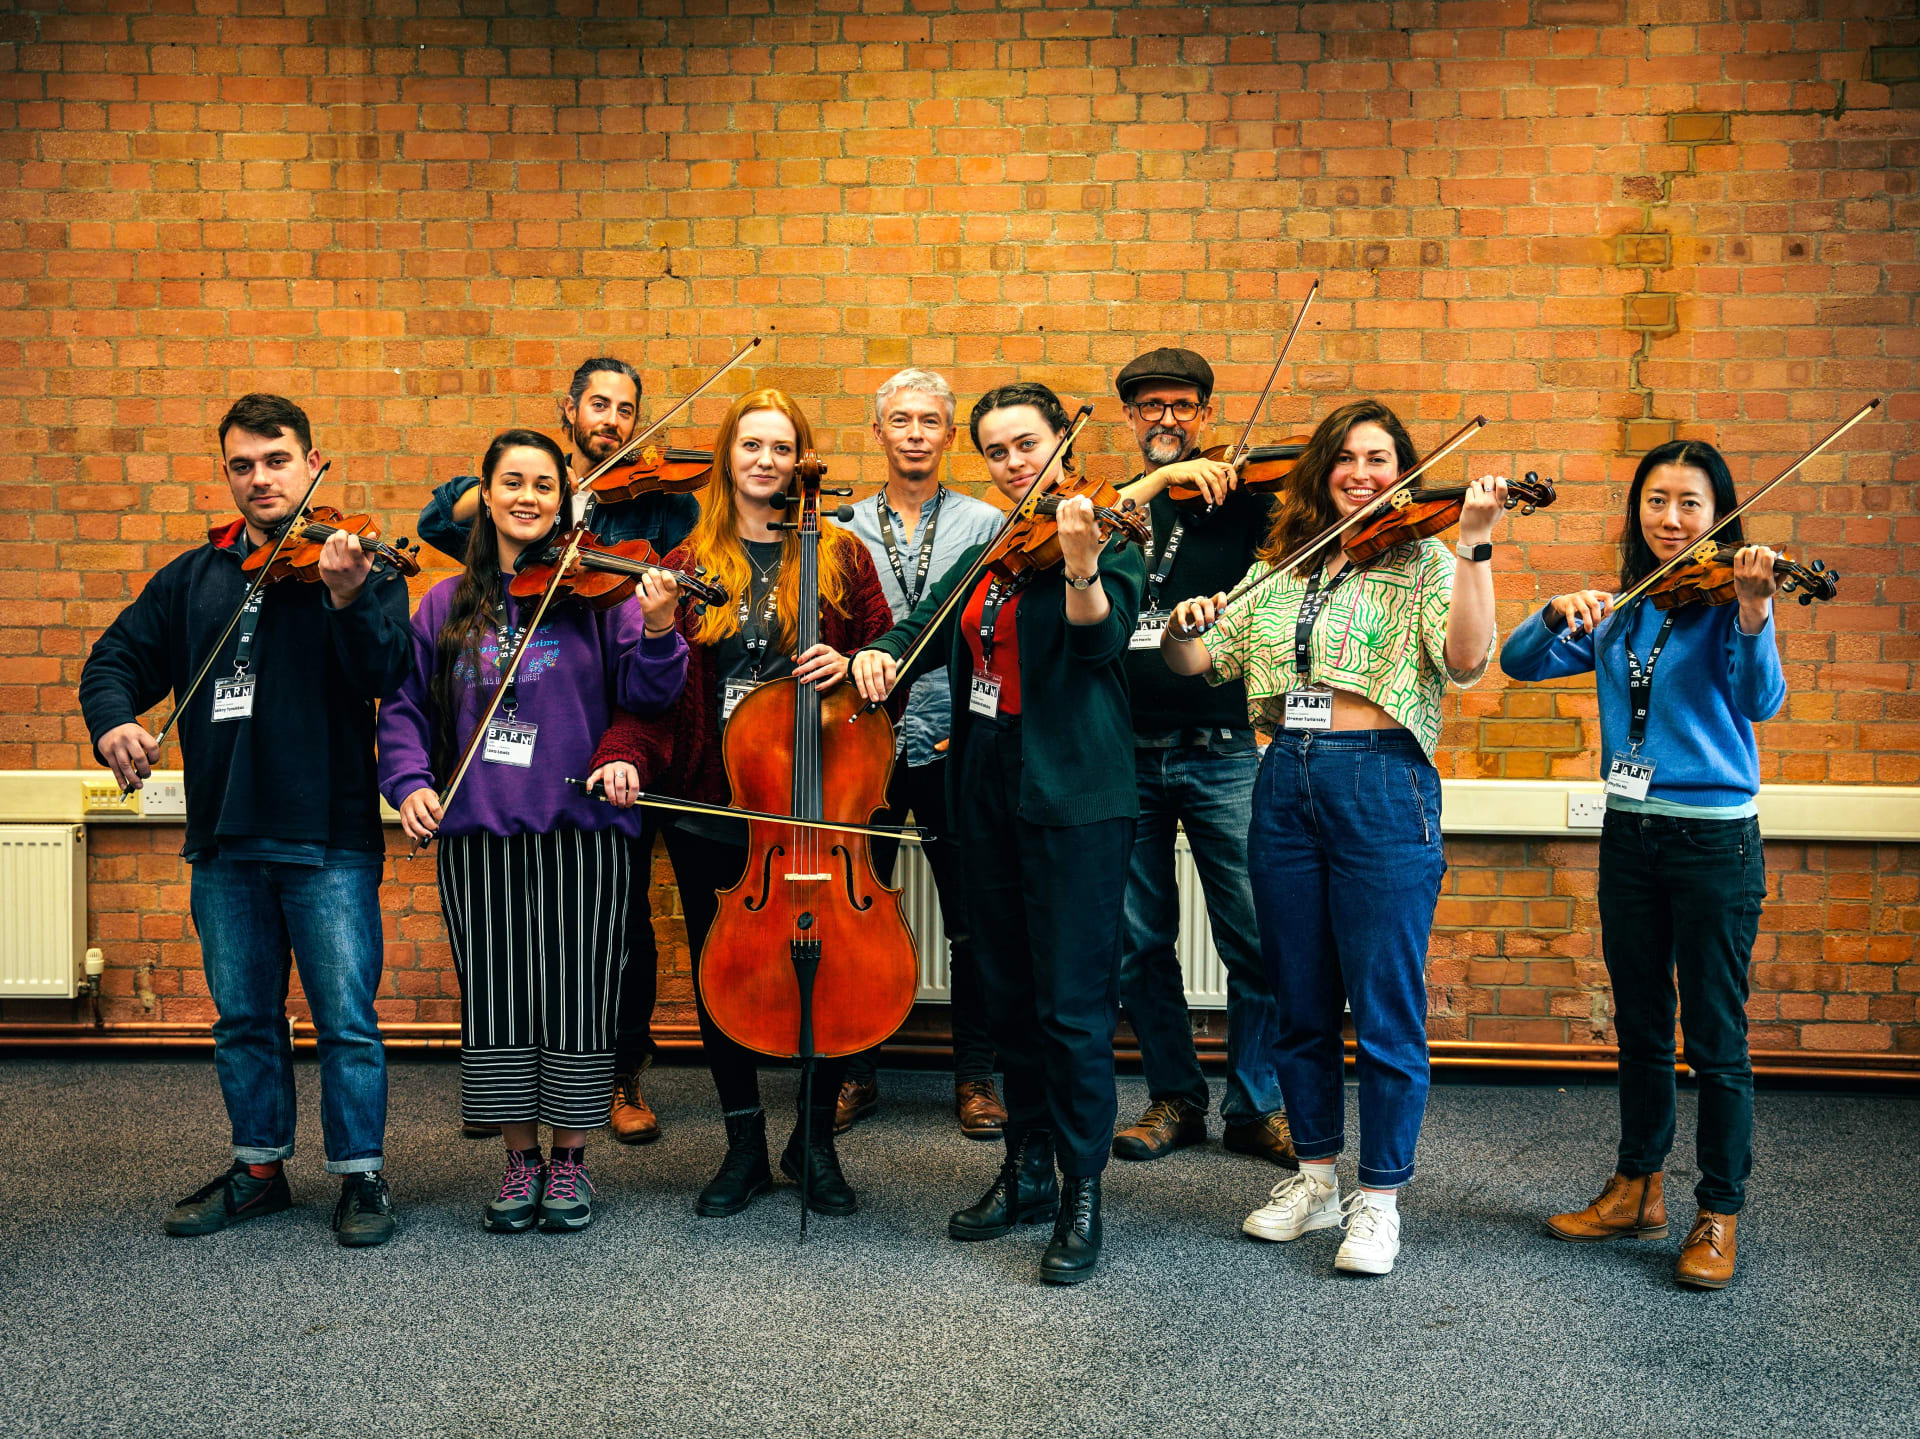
column 283, row 819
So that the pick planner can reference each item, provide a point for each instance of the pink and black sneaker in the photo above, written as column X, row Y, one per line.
column 567, row 1202
column 514, row 1209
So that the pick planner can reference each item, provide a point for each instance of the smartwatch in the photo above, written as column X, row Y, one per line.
column 1473, row 552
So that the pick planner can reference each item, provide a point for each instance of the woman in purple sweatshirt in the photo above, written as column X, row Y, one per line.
column 533, row 874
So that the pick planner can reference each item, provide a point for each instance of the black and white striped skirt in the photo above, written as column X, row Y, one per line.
column 538, row 924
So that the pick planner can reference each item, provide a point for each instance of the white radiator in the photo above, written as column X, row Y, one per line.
column 1199, row 960
column 43, row 898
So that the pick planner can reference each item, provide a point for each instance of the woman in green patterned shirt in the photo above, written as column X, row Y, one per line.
column 1345, row 667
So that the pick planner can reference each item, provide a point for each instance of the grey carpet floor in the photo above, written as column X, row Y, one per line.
column 655, row 1322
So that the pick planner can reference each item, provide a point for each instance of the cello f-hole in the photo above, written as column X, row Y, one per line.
column 859, row 902
column 766, row 879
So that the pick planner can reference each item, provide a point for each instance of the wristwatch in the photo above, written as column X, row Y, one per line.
column 1087, row 583
column 1473, row 552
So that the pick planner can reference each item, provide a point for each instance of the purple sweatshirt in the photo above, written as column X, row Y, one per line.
column 581, row 665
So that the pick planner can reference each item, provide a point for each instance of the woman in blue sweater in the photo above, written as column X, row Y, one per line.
column 1682, row 875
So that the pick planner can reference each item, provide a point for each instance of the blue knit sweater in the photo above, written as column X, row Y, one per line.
column 1711, row 685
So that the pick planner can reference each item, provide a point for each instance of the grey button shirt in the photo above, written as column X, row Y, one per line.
column 963, row 523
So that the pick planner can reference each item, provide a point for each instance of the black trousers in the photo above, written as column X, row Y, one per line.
column 702, row 867
column 1045, row 907
column 921, row 790
column 1680, row 898
column 633, row 1046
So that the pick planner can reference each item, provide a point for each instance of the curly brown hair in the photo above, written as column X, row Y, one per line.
column 1304, row 507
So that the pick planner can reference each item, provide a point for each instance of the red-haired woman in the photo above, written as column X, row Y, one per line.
column 733, row 649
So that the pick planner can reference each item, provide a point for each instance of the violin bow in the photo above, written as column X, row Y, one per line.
column 1048, row 479
column 640, row 439
column 597, row 791
column 1242, row 445
column 1372, row 509
column 286, row 533
column 567, row 557
column 1621, row 601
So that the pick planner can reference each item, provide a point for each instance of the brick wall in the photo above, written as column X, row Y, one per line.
column 1600, row 223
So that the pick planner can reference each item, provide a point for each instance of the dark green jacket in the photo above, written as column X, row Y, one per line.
column 1076, row 731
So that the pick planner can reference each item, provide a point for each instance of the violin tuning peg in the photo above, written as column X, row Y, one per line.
column 1806, row 599
column 1533, row 477
column 1819, row 567
column 778, row 500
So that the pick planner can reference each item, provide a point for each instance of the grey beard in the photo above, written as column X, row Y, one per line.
column 1162, row 448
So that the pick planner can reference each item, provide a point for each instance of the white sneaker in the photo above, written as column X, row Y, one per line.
column 1301, row 1203
column 1373, row 1236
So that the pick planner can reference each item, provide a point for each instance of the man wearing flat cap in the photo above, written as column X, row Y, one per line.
column 1194, row 761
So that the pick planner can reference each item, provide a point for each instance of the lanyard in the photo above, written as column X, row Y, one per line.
column 1165, row 567
column 919, row 585
column 758, row 636
column 1640, row 683
column 1311, row 603
column 990, row 615
column 503, row 660
column 249, row 622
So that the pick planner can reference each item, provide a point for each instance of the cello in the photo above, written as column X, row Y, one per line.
column 809, row 955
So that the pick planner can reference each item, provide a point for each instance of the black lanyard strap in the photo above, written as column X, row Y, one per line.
column 510, row 636
column 1640, row 682
column 997, row 595
column 1165, row 567
column 249, row 622
column 756, row 636
column 1311, row 605
column 919, row 585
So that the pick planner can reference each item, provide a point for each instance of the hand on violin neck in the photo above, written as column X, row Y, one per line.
column 1754, row 585
column 1480, row 511
column 658, row 594
column 344, row 567
column 1080, row 539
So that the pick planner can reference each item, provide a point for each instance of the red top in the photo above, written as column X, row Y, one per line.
column 1006, row 643
column 679, row 752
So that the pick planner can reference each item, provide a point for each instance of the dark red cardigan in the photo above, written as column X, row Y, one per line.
column 678, row 752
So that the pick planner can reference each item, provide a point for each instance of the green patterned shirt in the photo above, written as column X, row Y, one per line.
column 1381, row 635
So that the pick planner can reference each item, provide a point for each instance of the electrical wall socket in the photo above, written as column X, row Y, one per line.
column 163, row 798
column 102, row 796
column 1586, row 811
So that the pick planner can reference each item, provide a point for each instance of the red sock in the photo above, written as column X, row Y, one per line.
column 264, row 1171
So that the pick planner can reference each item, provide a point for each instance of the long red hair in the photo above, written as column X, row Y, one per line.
column 715, row 543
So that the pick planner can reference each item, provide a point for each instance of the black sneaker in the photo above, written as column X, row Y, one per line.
column 233, row 1198
column 566, row 1200
column 364, row 1215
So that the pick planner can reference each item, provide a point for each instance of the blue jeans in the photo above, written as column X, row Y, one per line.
column 1680, row 898
column 1345, row 858
column 1211, row 794
column 255, row 919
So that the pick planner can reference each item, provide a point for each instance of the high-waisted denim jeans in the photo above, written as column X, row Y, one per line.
column 1681, row 897
column 255, row 918
column 1345, row 857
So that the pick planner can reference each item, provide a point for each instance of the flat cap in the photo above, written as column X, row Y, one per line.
column 1182, row 367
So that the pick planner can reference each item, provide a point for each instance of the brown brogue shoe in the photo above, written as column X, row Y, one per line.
column 633, row 1119
column 982, row 1115
column 1626, row 1208
column 1167, row 1125
column 1267, row 1137
column 1706, row 1259
column 858, row 1098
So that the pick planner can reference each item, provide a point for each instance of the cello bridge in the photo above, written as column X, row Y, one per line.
column 807, row 878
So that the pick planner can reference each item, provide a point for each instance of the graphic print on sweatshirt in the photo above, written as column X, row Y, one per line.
column 542, row 655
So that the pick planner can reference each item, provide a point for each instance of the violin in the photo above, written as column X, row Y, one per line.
column 810, row 953
column 1032, row 542
column 1264, row 471
column 299, row 556
column 1417, row 513
column 1706, row 577
column 602, row 575
column 650, row 471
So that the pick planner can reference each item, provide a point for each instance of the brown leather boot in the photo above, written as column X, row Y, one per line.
column 982, row 1115
column 1633, row 1208
column 1167, row 1125
column 858, row 1099
column 633, row 1120
column 1267, row 1137
column 1706, row 1259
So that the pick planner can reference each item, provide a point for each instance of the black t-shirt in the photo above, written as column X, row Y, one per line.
column 1216, row 550
column 743, row 658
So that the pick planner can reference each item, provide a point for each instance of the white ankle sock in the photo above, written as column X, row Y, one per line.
column 1388, row 1199
column 1324, row 1172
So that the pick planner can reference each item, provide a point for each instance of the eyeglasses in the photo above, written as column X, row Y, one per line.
column 1153, row 411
